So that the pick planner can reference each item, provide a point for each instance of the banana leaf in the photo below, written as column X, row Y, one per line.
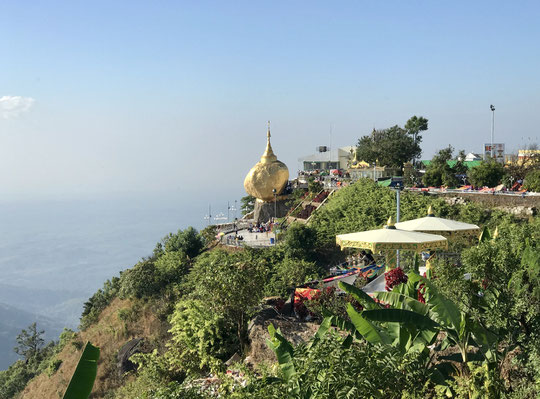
column 85, row 373
column 402, row 336
column 486, row 340
column 347, row 342
column 401, row 316
column 398, row 300
column 371, row 333
column 443, row 311
column 426, row 337
column 284, row 352
column 321, row 331
column 359, row 295
column 485, row 235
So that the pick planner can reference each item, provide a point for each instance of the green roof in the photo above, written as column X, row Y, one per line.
column 385, row 183
column 468, row 164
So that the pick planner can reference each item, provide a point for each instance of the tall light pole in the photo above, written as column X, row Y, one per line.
column 274, row 191
column 209, row 216
column 492, row 108
column 398, row 206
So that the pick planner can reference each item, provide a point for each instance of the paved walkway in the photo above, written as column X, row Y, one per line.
column 250, row 239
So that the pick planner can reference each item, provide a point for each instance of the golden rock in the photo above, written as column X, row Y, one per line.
column 267, row 175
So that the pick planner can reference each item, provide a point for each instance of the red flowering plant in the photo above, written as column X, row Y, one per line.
column 394, row 277
column 333, row 301
column 421, row 292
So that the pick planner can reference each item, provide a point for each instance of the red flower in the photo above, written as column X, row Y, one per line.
column 421, row 291
column 394, row 277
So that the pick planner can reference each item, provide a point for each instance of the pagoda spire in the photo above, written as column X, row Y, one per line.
column 268, row 155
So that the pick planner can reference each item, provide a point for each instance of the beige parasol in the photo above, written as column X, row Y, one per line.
column 434, row 225
column 390, row 239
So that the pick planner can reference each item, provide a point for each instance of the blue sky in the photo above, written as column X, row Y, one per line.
column 173, row 97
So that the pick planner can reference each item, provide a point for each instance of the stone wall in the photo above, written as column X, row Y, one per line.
column 516, row 205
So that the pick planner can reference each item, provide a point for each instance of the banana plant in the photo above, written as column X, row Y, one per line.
column 404, row 326
column 419, row 323
column 285, row 352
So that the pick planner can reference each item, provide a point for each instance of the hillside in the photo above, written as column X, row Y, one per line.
column 110, row 333
column 192, row 306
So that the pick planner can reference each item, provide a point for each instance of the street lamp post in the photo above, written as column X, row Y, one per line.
column 492, row 108
column 398, row 206
column 209, row 216
column 274, row 191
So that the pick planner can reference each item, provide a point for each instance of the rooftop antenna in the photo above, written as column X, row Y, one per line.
column 330, row 146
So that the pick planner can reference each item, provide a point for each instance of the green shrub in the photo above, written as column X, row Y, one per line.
column 201, row 337
column 532, row 181
column 141, row 281
column 99, row 301
column 489, row 173
column 331, row 370
column 288, row 273
column 53, row 367
column 230, row 284
column 300, row 241
column 187, row 241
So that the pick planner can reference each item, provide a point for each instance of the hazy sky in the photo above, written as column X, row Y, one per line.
column 112, row 97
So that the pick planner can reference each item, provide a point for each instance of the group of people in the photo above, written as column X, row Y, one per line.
column 231, row 240
column 363, row 258
column 260, row 227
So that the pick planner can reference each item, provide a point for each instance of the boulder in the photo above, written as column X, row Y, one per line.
column 125, row 365
column 293, row 330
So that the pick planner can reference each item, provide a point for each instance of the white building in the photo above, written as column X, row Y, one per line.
column 471, row 156
column 332, row 159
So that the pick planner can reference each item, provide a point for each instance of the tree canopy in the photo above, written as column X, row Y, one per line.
column 439, row 173
column 29, row 342
column 393, row 146
column 415, row 125
column 532, row 181
column 489, row 173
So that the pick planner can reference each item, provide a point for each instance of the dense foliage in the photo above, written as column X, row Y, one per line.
column 446, row 335
column 247, row 204
column 532, row 181
column 365, row 206
column 440, row 173
column 393, row 146
column 38, row 358
column 388, row 147
column 489, row 173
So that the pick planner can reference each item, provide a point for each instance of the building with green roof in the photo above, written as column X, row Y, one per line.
column 451, row 163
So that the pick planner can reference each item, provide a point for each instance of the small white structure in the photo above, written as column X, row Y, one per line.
column 331, row 159
column 471, row 156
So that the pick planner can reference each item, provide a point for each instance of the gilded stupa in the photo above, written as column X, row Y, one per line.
column 267, row 175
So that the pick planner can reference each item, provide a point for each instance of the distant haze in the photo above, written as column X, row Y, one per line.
column 104, row 98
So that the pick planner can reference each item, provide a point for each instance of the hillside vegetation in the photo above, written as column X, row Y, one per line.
column 191, row 305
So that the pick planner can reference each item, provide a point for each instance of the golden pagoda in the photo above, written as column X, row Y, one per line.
column 267, row 175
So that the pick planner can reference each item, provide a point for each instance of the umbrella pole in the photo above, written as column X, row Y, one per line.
column 416, row 262
column 390, row 260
